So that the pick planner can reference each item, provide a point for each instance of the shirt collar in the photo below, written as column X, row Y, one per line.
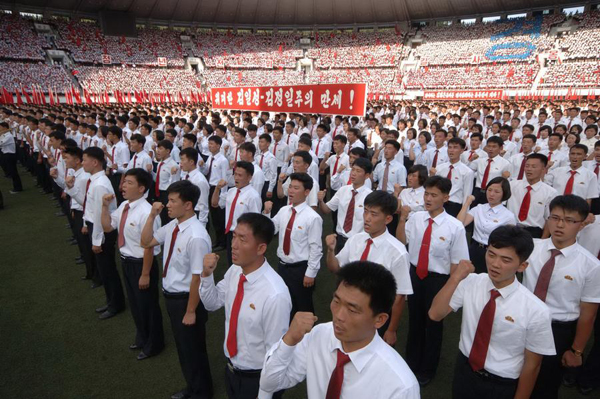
column 439, row 219
column 137, row 202
column 251, row 278
column 495, row 209
column 566, row 252
column 193, row 172
column 301, row 207
column 380, row 239
column 186, row 224
column 97, row 175
column 361, row 357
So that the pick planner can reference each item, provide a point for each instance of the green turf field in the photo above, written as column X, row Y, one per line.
column 54, row 346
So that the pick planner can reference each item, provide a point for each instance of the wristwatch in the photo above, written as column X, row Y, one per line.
column 576, row 352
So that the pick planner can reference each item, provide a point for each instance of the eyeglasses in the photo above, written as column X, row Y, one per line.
column 569, row 221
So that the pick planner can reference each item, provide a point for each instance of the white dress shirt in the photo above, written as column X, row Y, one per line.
column 588, row 237
column 166, row 178
column 219, row 166
column 269, row 168
column 375, row 371
column 521, row 321
column 198, row 179
column 120, row 154
column 312, row 199
column 585, row 183
column 342, row 159
column 487, row 219
column 248, row 201
column 515, row 165
column 559, row 158
column 414, row 198
column 192, row 243
column 462, row 180
column 341, row 201
column 575, row 278
column 591, row 166
column 429, row 154
column 541, row 195
column 264, row 313
column 258, row 179
column 305, row 238
column 385, row 250
column 498, row 166
column 448, row 243
column 139, row 160
column 281, row 151
column 134, row 224
column 7, row 143
column 322, row 145
column 396, row 175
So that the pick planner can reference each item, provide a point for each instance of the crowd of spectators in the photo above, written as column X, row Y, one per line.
column 18, row 39
column 14, row 75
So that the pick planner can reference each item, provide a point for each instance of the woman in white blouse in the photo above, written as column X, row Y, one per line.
column 487, row 217
column 416, row 151
column 412, row 195
column 407, row 142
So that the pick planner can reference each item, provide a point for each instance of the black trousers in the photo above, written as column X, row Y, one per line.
column 191, row 345
column 217, row 216
column 477, row 255
column 323, row 177
column 468, row 384
column 340, row 243
column 46, row 179
column 115, row 182
column 85, row 248
column 293, row 276
column 480, row 197
column 550, row 376
column 9, row 161
column 535, row 232
column 393, row 225
column 452, row 208
column 228, row 240
column 334, row 214
column 144, row 306
column 164, row 214
column 424, row 342
column 590, row 374
column 595, row 208
column 107, row 268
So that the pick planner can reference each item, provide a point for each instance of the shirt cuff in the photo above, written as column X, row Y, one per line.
column 311, row 272
column 207, row 281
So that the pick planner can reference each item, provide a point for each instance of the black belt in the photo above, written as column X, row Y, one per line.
column 558, row 323
column 486, row 375
column 244, row 373
column 132, row 259
column 479, row 244
column 296, row 264
column 176, row 295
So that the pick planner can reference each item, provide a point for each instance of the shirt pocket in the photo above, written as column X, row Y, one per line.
column 509, row 335
column 440, row 245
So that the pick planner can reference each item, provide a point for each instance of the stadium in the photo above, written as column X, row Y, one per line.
column 125, row 83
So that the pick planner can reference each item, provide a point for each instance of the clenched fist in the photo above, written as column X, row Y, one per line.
column 209, row 264
column 157, row 208
column 301, row 325
column 462, row 270
column 330, row 241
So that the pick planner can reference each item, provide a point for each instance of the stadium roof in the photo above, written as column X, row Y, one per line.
column 297, row 12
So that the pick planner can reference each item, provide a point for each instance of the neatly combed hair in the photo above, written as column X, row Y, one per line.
column 305, row 155
column 139, row 138
column 364, row 164
column 510, row 236
column 373, row 280
column 166, row 144
column 382, row 200
column 421, row 171
column 247, row 166
column 96, row 153
column 496, row 140
column 190, row 153
column 503, row 182
column 543, row 159
column 262, row 227
column 187, row 191
column 74, row 152
column 142, row 177
column 304, row 178
column 442, row 183
column 571, row 203
column 458, row 141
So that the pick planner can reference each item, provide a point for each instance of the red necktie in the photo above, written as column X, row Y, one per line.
column 569, row 186
column 386, row 173
column 349, row 178
column 350, row 213
column 541, row 287
column 483, row 334
column 596, row 169
column 549, row 156
column 472, row 153
column 334, row 132
column 275, row 149
column 423, row 262
column 434, row 163
column 524, row 210
column 334, row 390
column 288, row 139
column 365, row 253
column 210, row 168
column 288, row 233
column 262, row 157
column 157, row 185
column 317, row 149
column 173, row 239
column 486, row 174
column 337, row 159
column 522, row 169
column 121, row 240
column 233, row 319
column 187, row 176
column 450, row 172
column 87, row 187
column 134, row 160
column 113, row 154
column 232, row 211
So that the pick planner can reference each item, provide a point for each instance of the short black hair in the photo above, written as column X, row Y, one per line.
column 166, row 144
column 304, row 178
column 578, row 146
column 382, row 200
column 187, row 191
column 530, row 136
column 95, row 152
column 74, row 152
column 371, row 279
column 116, row 130
column 496, row 140
column 142, row 177
column 359, row 152
column 139, row 138
column 503, row 182
column 459, row 141
column 442, row 183
column 216, row 139
column 249, row 147
column 340, row 137
column 543, row 159
column 422, row 173
column 265, row 136
column 190, row 137
column 190, row 153
column 364, row 164
column 572, row 203
column 262, row 227
column 247, row 166
column 394, row 144
column 511, row 236
column 305, row 155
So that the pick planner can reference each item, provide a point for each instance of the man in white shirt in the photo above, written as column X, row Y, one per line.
column 103, row 244
column 247, row 153
column 240, row 199
column 488, row 168
column 167, row 172
column 437, row 243
column 301, row 162
column 215, row 169
column 256, row 301
column 437, row 155
column 189, row 171
column 117, row 158
column 389, row 171
column 530, row 197
column 594, row 165
column 140, row 158
column 556, row 157
column 267, row 162
column 505, row 329
column 361, row 304
column 567, row 278
column 185, row 242
column 8, row 157
column 300, row 244
column 458, row 173
column 140, row 269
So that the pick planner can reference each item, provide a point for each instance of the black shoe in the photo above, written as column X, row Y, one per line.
column 78, row 258
column 85, row 278
column 585, row 389
column 180, row 395
column 134, row 347
column 73, row 242
column 423, row 381
column 142, row 356
column 102, row 309
column 569, row 381
column 59, row 214
column 217, row 248
column 106, row 315
column 70, row 239
column 96, row 285
column 79, row 261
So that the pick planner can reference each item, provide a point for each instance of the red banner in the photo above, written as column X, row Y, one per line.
column 464, row 95
column 335, row 99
